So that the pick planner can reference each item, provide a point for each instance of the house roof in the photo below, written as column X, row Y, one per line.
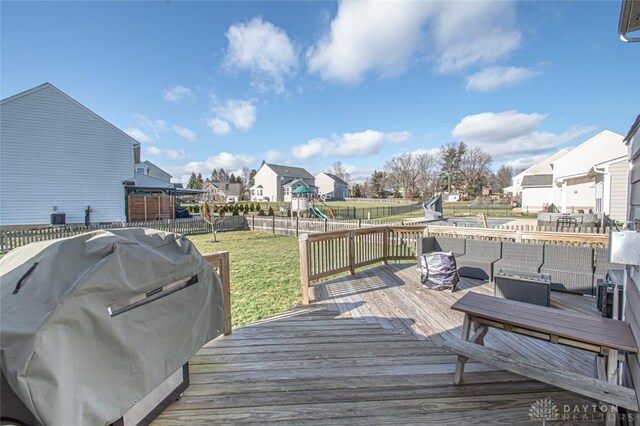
column 635, row 127
column 146, row 181
column 288, row 171
column 577, row 163
column 149, row 163
column 336, row 178
column 51, row 86
column 531, row 181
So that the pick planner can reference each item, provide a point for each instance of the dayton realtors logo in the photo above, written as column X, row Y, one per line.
column 544, row 410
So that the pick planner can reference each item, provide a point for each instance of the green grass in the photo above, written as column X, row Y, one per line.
column 265, row 272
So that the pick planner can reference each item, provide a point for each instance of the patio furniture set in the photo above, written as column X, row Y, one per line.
column 569, row 268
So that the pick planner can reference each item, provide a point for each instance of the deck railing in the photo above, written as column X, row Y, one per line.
column 220, row 262
column 331, row 253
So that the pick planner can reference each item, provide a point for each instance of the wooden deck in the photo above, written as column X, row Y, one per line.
column 367, row 353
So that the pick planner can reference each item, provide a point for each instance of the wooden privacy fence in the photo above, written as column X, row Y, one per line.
column 151, row 207
column 330, row 253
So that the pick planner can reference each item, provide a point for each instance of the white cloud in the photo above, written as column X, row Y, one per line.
column 495, row 77
column 358, row 144
column 474, row 32
column 358, row 173
column 510, row 133
column 264, row 50
column 167, row 153
column 218, row 126
column 386, row 36
column 230, row 162
column 240, row 113
column 153, row 126
column 138, row 134
column 274, row 156
column 177, row 93
column 184, row 132
column 526, row 162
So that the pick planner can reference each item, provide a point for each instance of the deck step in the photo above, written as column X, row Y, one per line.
column 580, row 384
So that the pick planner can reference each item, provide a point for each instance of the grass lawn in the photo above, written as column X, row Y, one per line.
column 265, row 272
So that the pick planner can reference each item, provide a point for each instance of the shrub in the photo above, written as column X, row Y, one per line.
column 221, row 212
column 235, row 212
column 246, row 209
column 215, row 208
column 196, row 209
column 271, row 213
column 206, row 213
column 252, row 207
column 258, row 207
column 260, row 212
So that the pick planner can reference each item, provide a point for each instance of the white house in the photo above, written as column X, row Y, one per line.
column 574, row 176
column 274, row 182
column 536, row 183
column 149, row 169
column 57, row 154
column 332, row 187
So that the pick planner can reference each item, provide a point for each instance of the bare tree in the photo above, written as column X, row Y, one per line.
column 427, row 173
column 474, row 169
column 403, row 171
column 504, row 176
column 340, row 170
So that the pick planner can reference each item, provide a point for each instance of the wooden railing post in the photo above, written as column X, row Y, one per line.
column 385, row 245
column 220, row 261
column 352, row 253
column 303, row 243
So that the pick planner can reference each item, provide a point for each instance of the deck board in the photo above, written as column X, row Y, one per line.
column 367, row 352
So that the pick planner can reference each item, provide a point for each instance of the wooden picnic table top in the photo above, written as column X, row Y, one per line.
column 599, row 331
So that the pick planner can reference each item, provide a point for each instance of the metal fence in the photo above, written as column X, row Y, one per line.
column 368, row 212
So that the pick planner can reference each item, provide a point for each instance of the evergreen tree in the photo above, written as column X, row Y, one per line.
column 192, row 181
column 357, row 190
column 214, row 175
column 199, row 181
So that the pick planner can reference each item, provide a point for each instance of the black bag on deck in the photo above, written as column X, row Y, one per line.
column 438, row 271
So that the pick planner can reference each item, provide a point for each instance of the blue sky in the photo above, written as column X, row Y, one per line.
column 228, row 84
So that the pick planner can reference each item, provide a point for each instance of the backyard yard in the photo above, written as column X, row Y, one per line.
column 265, row 272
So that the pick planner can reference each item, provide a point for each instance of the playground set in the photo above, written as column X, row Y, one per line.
column 304, row 204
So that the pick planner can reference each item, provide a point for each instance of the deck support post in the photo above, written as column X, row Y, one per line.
column 220, row 262
column 612, row 377
column 303, row 244
column 352, row 253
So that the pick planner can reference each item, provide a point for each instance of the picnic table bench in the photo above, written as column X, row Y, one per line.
column 602, row 336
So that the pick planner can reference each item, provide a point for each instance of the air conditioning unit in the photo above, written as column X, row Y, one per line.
column 58, row 218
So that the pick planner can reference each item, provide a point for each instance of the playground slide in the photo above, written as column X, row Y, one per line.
column 329, row 210
column 433, row 209
column 318, row 213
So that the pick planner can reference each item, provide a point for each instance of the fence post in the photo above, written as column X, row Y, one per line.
column 359, row 223
column 325, row 226
column 352, row 253
column 253, row 223
column 518, row 236
column 273, row 224
column 297, row 227
column 303, row 244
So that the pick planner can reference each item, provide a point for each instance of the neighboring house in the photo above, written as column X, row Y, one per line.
column 540, row 168
column 612, row 192
column 58, row 154
column 537, row 192
column 452, row 198
column 220, row 191
column 332, row 187
column 574, row 177
column 150, row 169
column 274, row 182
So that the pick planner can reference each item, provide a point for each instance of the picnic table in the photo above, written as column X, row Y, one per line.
column 601, row 336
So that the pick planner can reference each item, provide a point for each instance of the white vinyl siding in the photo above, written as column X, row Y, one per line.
column 619, row 190
column 53, row 152
column 534, row 199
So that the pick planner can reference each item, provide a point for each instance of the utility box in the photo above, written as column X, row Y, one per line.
column 624, row 247
column 58, row 218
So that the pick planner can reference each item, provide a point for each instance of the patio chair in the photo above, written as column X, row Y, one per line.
column 520, row 257
column 446, row 244
column 478, row 259
column 603, row 265
column 570, row 268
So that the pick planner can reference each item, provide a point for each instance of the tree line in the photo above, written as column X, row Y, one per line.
column 454, row 167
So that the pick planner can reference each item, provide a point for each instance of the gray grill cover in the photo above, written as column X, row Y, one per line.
column 61, row 352
column 438, row 271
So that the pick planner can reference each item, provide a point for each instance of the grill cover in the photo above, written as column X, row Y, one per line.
column 438, row 271
column 65, row 357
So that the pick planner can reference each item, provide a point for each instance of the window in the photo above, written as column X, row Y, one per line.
column 287, row 190
column 140, row 170
column 259, row 192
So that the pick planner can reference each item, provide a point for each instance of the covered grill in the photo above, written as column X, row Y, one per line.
column 90, row 325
